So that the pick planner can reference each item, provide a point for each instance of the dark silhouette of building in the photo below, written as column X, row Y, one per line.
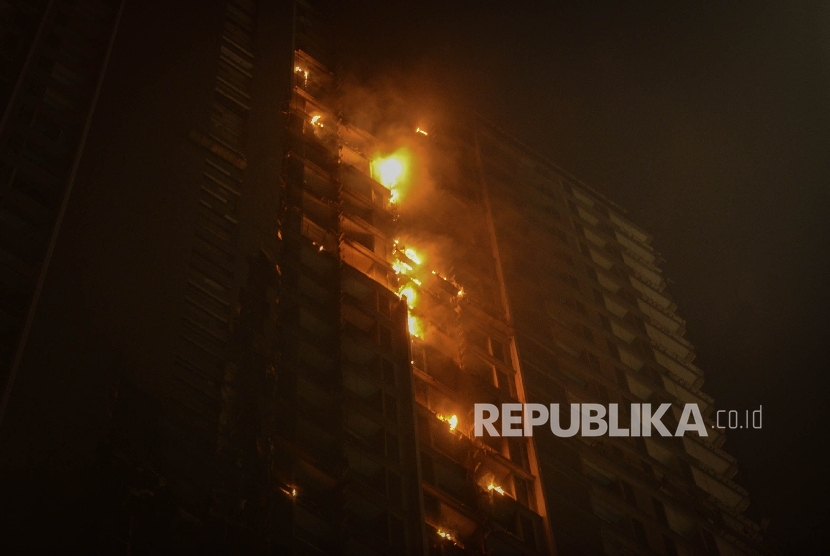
column 241, row 332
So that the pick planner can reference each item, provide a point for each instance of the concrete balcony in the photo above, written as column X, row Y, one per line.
column 679, row 347
column 721, row 489
column 649, row 275
column 652, row 295
column 629, row 229
column 638, row 250
column 668, row 322
column 686, row 394
column 684, row 371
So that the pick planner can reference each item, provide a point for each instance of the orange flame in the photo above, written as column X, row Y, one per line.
column 390, row 171
column 411, row 296
column 493, row 487
column 452, row 421
column 416, row 327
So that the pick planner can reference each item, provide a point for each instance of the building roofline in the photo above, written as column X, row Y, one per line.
column 547, row 161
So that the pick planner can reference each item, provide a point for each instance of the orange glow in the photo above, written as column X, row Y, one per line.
column 291, row 491
column 416, row 327
column 303, row 73
column 452, row 421
column 492, row 487
column 412, row 255
column 411, row 297
column 401, row 267
column 391, row 172
column 388, row 170
column 444, row 534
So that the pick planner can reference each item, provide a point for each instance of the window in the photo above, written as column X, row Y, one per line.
column 523, row 491
column 587, row 334
column 528, row 533
column 564, row 257
column 518, row 452
column 710, row 543
column 671, row 548
column 383, row 305
column 569, row 279
column 593, row 361
column 660, row 511
column 605, row 321
column 388, row 372
column 384, row 336
column 505, row 382
column 639, row 531
column 497, row 350
column 628, row 493
column 613, row 350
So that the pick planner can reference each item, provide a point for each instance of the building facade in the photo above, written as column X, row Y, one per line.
column 595, row 324
column 54, row 58
column 265, row 330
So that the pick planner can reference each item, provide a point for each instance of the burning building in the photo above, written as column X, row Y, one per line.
column 344, row 303
column 516, row 283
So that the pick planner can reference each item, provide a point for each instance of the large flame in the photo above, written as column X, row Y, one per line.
column 412, row 255
column 411, row 295
column 391, row 171
column 416, row 327
column 494, row 487
column 401, row 267
column 388, row 171
column 451, row 420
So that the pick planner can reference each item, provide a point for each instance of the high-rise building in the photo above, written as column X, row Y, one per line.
column 594, row 323
column 265, row 330
column 53, row 60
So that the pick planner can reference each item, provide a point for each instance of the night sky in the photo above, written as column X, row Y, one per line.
column 711, row 125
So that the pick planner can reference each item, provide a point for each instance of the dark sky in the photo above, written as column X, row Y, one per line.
column 711, row 125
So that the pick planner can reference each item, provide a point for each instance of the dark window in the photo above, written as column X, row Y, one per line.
column 388, row 372
column 384, row 336
column 613, row 350
column 710, row 543
column 397, row 535
column 497, row 349
column 383, row 305
column 660, row 511
column 587, row 334
column 593, row 361
column 671, row 548
column 639, row 531
column 628, row 493
column 523, row 491
column 606, row 322
column 504, row 382
column 518, row 452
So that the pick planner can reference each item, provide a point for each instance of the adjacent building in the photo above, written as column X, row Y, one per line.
column 265, row 330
